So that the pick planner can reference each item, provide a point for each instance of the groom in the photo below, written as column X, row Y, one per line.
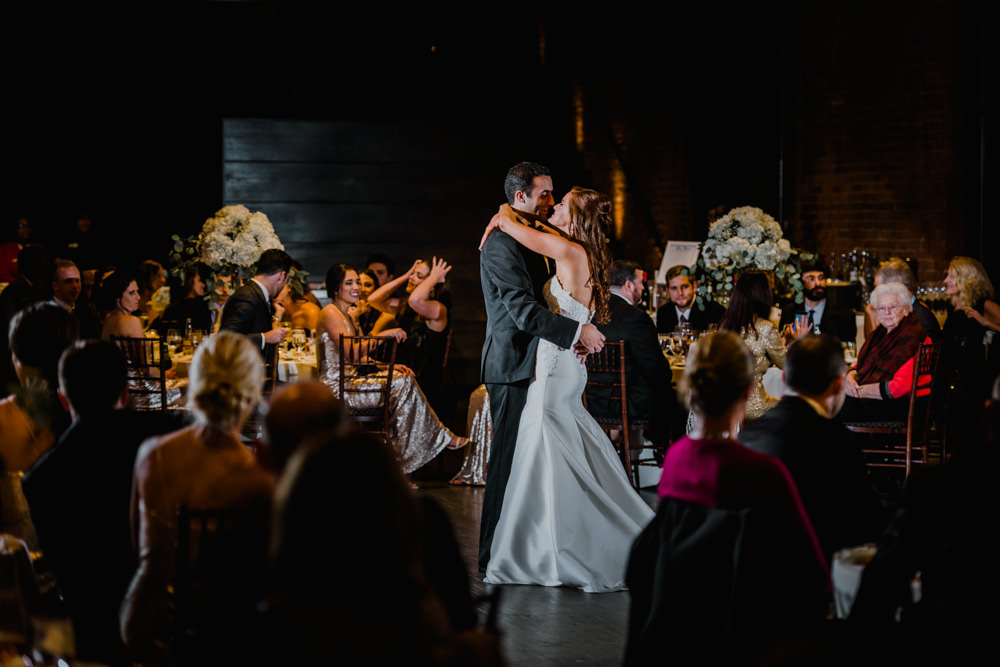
column 517, row 316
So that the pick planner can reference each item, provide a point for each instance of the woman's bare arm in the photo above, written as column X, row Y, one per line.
column 434, row 312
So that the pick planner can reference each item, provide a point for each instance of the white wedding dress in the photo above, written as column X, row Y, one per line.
column 569, row 513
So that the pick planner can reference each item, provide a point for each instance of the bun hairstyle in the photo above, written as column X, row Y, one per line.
column 590, row 218
column 718, row 371
column 226, row 377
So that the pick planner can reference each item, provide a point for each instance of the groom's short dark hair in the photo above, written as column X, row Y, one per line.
column 522, row 177
column 622, row 271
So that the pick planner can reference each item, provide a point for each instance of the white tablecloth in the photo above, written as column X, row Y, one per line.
column 291, row 366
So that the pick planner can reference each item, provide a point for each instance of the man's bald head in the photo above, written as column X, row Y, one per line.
column 297, row 411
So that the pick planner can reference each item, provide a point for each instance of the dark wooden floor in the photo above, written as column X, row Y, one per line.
column 539, row 625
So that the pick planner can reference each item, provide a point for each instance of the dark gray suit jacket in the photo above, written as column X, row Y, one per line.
column 248, row 311
column 517, row 316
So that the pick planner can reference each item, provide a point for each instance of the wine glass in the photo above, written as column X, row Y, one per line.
column 298, row 340
column 174, row 339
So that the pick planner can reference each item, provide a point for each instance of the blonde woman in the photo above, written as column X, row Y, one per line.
column 205, row 466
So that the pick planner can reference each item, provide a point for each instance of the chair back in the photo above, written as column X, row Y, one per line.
column 366, row 368
column 606, row 375
column 147, row 361
column 220, row 576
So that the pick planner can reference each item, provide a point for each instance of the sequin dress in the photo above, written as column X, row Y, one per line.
column 767, row 348
column 418, row 434
column 480, row 434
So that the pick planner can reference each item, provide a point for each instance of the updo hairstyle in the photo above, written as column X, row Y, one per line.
column 226, row 377
column 718, row 372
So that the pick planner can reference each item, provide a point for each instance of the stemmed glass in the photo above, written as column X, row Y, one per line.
column 174, row 339
column 299, row 340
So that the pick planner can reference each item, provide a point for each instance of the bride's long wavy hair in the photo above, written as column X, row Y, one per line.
column 590, row 218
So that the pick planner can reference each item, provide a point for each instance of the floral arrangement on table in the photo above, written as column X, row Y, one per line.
column 230, row 243
column 747, row 238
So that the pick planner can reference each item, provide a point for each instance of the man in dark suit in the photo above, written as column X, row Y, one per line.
column 650, row 395
column 66, row 290
column 79, row 493
column 824, row 316
column 820, row 453
column 250, row 310
column 517, row 316
column 682, row 289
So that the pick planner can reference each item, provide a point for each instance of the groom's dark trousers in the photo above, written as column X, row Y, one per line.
column 513, row 279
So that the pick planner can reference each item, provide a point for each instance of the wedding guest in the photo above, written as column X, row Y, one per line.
column 120, row 298
column 706, row 571
column 748, row 316
column 188, row 303
column 363, row 314
column 896, row 270
column 651, row 397
column 682, row 288
column 296, row 412
column 402, row 597
column 67, row 291
column 878, row 386
column 970, row 352
column 151, row 278
column 204, row 465
column 419, row 435
column 20, row 239
column 822, row 456
column 78, row 493
column 299, row 311
column 424, row 316
column 250, row 312
column 31, row 286
column 382, row 266
column 824, row 316
column 32, row 419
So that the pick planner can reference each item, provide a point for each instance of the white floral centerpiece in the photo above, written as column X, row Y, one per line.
column 747, row 238
column 235, row 238
column 230, row 243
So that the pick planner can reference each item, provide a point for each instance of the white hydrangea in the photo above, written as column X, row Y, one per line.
column 235, row 236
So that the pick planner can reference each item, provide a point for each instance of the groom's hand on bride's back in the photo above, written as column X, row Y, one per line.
column 591, row 339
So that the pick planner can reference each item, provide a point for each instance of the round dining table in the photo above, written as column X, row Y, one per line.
column 293, row 365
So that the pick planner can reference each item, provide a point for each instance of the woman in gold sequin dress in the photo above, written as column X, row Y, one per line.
column 419, row 435
column 748, row 315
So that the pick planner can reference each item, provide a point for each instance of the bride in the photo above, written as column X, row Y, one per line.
column 569, row 513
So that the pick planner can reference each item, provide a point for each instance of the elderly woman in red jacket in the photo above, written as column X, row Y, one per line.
column 878, row 387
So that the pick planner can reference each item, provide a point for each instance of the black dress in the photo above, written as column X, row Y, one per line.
column 972, row 365
column 424, row 351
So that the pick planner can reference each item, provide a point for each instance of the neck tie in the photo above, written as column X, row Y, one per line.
column 811, row 318
column 683, row 319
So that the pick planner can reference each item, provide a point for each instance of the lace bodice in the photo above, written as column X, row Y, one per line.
column 560, row 302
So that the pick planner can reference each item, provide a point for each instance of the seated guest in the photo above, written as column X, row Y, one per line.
column 896, row 270
column 67, row 291
column 296, row 412
column 364, row 315
column 425, row 317
column 824, row 316
column 970, row 348
column 747, row 315
column 418, row 433
column 32, row 419
column 650, row 395
column 730, row 565
column 821, row 454
column 188, row 303
column 152, row 278
column 119, row 300
column 298, row 311
column 941, row 535
column 878, row 387
column 382, row 267
column 79, row 492
column 30, row 286
column 400, row 597
column 203, row 466
column 682, row 289
column 20, row 239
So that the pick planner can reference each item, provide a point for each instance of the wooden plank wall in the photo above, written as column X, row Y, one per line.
column 339, row 191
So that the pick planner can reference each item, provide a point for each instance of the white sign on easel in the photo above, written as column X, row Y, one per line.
column 684, row 253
